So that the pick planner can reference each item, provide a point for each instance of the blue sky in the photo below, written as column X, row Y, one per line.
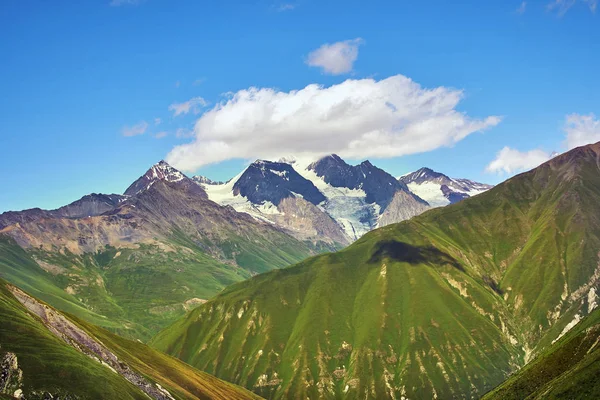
column 78, row 77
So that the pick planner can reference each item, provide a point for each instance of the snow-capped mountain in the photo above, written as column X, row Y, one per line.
column 163, row 172
column 326, row 199
column 439, row 189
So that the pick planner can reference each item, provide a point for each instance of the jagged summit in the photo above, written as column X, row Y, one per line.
column 161, row 171
column 378, row 185
column 421, row 175
column 273, row 181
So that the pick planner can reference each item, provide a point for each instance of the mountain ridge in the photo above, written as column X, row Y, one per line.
column 505, row 273
column 357, row 198
column 158, row 251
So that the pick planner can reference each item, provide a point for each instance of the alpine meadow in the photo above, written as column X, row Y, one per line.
column 300, row 200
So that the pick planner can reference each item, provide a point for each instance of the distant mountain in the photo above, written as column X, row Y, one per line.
column 204, row 180
column 135, row 262
column 440, row 190
column 88, row 206
column 445, row 305
column 325, row 201
column 46, row 354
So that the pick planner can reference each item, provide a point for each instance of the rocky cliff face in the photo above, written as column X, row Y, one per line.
column 305, row 220
column 401, row 208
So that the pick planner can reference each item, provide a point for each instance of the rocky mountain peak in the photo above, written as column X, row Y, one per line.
column 424, row 175
column 161, row 171
column 274, row 181
column 378, row 185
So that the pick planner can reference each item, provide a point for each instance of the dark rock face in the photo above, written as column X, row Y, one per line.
column 378, row 185
column 272, row 181
column 453, row 197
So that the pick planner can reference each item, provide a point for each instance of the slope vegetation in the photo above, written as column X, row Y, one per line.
column 569, row 369
column 445, row 305
column 163, row 249
column 45, row 354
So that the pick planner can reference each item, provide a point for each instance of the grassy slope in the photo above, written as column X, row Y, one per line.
column 569, row 369
column 136, row 292
column 485, row 282
column 299, row 323
column 50, row 365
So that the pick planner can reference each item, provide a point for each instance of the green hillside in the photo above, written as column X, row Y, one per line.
column 569, row 369
column 139, row 269
column 134, row 292
column 43, row 353
column 447, row 304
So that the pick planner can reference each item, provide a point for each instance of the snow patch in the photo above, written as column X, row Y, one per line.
column 430, row 192
column 282, row 174
column 347, row 206
column 223, row 195
column 569, row 326
column 592, row 298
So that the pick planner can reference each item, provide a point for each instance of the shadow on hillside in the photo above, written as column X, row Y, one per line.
column 404, row 252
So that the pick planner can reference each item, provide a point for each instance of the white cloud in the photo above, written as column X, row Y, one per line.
column 134, row 130
column 194, row 105
column 199, row 81
column 337, row 58
column 581, row 130
column 562, row 6
column 286, row 7
column 116, row 3
column 356, row 118
column 522, row 8
column 157, row 121
column 510, row 161
column 161, row 135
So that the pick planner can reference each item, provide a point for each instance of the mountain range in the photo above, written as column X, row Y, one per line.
column 329, row 200
column 416, row 287
column 135, row 262
column 445, row 305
